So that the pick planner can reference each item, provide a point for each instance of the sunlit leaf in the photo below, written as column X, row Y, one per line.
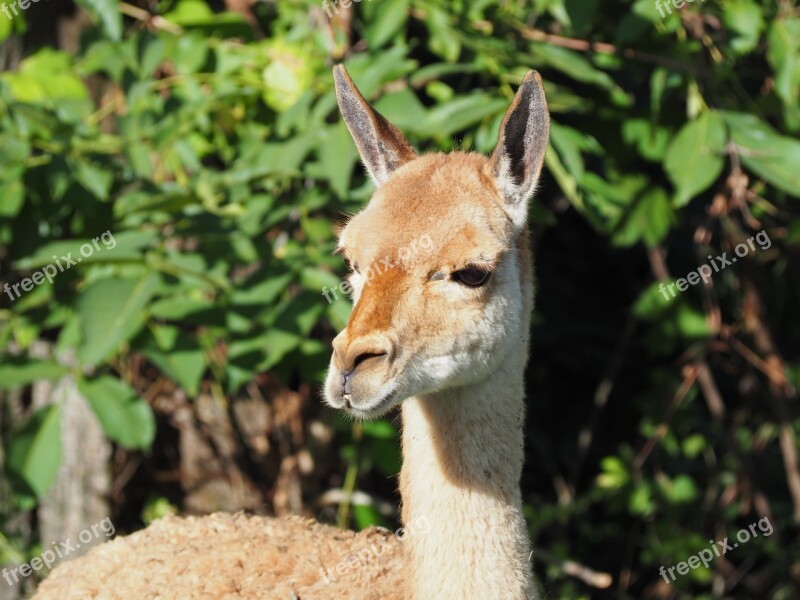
column 126, row 418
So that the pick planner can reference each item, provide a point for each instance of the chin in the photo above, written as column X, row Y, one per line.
column 373, row 409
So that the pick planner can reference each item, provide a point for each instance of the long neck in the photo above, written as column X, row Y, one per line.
column 462, row 460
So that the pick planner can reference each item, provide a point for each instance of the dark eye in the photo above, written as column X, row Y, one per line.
column 473, row 276
column 350, row 266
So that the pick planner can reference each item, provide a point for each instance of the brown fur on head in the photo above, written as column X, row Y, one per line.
column 441, row 281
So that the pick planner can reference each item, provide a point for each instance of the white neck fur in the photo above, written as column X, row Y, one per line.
column 462, row 460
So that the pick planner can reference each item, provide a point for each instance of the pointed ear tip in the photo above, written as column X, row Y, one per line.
column 340, row 73
column 532, row 75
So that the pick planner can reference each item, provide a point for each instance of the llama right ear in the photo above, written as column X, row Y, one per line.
column 517, row 160
column 381, row 145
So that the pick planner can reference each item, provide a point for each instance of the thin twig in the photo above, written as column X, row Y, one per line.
column 601, row 396
column 537, row 35
column 706, row 380
column 738, row 183
column 690, row 374
column 779, row 394
column 155, row 21
column 710, row 391
column 773, row 373
column 596, row 579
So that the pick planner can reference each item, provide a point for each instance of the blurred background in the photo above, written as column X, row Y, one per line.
column 187, row 156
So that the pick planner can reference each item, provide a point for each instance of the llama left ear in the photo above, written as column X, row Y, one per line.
column 517, row 160
column 381, row 145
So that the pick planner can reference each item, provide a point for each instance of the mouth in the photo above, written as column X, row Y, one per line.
column 374, row 411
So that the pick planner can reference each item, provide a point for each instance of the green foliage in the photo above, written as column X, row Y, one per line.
column 694, row 159
column 216, row 159
column 107, row 12
column 126, row 419
column 33, row 453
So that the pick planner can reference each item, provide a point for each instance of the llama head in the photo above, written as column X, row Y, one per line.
column 437, row 274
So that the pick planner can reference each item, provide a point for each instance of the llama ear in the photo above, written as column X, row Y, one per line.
column 517, row 160
column 381, row 145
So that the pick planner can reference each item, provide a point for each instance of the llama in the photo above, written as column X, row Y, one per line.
column 441, row 334
column 445, row 333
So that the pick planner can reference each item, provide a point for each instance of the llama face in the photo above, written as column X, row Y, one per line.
column 438, row 260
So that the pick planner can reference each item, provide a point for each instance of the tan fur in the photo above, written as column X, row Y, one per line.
column 234, row 557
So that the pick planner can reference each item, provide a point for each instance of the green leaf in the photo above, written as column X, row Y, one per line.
column 46, row 76
column 391, row 17
column 181, row 307
column 566, row 181
column 122, row 247
column 94, row 178
column 573, row 64
column 694, row 159
column 386, row 454
column 338, row 312
column 33, row 453
column 20, row 371
column 12, row 192
column 641, row 500
column 461, row 113
column 680, row 490
column 6, row 27
column 382, row 429
column 570, row 143
column 404, row 109
column 262, row 292
column 438, row 70
column 111, row 313
column 783, row 53
column 126, row 418
column 654, row 301
column 109, row 14
column 648, row 219
column 316, row 280
column 190, row 12
column 443, row 40
column 692, row 324
column 288, row 75
column 366, row 515
column 745, row 18
column 278, row 343
column 178, row 356
column 693, row 445
column 614, row 473
column 651, row 141
column 337, row 157
column 767, row 153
